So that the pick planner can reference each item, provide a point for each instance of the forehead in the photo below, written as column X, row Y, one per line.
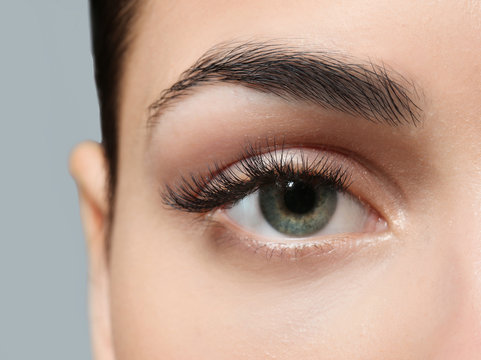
column 435, row 43
column 171, row 35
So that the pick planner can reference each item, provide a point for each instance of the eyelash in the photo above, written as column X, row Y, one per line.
column 257, row 165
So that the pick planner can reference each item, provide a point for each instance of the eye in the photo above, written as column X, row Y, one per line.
column 280, row 196
column 296, row 209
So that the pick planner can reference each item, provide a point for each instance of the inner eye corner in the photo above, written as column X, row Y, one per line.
column 381, row 220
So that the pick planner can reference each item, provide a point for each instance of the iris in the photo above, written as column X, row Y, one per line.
column 297, row 208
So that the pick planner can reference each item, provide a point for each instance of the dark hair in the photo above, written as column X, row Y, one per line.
column 111, row 22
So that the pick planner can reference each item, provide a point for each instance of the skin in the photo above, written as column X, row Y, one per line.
column 167, row 289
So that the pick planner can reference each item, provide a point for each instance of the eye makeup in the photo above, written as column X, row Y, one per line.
column 300, row 186
column 229, row 183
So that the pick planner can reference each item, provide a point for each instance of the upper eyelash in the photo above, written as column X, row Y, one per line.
column 222, row 186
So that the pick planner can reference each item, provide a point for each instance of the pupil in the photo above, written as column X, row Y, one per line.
column 299, row 198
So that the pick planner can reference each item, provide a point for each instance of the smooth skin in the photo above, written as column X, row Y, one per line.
column 165, row 289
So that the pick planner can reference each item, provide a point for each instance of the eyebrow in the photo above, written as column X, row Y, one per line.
column 330, row 80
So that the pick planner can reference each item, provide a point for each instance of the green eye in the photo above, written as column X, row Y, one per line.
column 297, row 208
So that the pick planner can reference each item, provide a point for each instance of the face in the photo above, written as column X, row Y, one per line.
column 312, row 189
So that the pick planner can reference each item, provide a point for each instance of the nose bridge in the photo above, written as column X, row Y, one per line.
column 474, row 278
column 462, row 338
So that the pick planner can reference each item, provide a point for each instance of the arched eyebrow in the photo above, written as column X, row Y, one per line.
column 330, row 80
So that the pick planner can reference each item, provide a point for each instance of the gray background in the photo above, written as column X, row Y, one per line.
column 47, row 104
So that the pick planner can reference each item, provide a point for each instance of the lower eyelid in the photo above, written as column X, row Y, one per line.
column 229, row 237
column 260, row 262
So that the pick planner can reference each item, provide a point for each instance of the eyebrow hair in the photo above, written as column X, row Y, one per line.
column 330, row 80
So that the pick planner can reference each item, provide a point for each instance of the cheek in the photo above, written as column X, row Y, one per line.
column 172, row 297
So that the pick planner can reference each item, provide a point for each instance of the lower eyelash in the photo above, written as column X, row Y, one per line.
column 325, row 249
column 257, row 166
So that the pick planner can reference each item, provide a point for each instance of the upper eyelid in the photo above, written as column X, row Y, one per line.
column 189, row 194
